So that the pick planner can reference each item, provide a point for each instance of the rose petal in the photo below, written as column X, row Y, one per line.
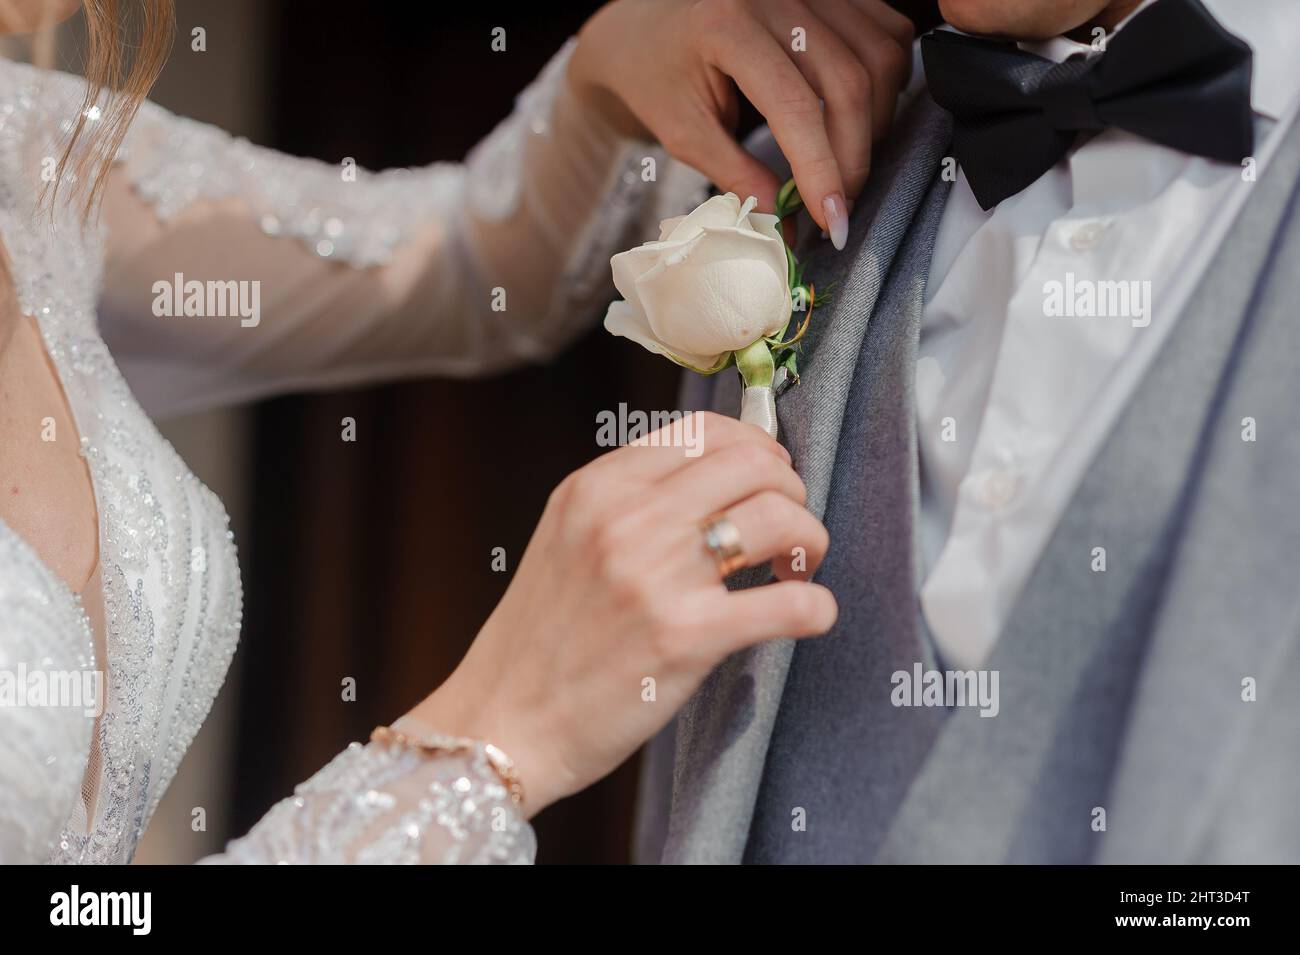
column 766, row 224
column 631, row 265
column 768, row 231
column 719, row 211
column 746, row 208
column 729, row 291
column 627, row 321
column 667, row 225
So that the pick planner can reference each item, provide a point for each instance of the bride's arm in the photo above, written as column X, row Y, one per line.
column 388, row 803
column 454, row 269
column 615, row 615
column 468, row 269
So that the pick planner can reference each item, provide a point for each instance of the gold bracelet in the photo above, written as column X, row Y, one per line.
column 438, row 744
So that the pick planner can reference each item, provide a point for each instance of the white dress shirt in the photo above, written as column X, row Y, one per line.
column 1013, row 404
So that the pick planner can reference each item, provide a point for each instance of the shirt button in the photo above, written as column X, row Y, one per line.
column 998, row 489
column 1087, row 236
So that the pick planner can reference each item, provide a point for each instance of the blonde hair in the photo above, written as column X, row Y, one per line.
column 120, row 81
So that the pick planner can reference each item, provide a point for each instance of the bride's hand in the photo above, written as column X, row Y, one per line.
column 617, row 611
column 671, row 67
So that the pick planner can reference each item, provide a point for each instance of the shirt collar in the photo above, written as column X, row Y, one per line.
column 1271, row 27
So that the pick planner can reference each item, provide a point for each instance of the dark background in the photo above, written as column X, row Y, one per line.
column 372, row 560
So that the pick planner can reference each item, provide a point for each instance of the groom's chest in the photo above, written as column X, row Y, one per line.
column 1041, row 317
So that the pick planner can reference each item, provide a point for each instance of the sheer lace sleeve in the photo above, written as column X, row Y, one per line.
column 453, row 269
column 382, row 803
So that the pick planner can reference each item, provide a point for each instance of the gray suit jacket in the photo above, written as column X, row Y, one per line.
column 1159, row 691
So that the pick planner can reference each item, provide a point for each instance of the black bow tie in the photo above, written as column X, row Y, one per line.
column 1173, row 75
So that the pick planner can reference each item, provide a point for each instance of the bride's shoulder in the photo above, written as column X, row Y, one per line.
column 38, row 107
column 28, row 88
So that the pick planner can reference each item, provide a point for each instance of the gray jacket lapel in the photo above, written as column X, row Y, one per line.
column 841, row 756
column 1168, row 496
column 723, row 731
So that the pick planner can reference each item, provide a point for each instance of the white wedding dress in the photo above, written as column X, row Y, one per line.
column 364, row 278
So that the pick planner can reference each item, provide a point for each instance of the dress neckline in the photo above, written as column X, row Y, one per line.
column 93, row 616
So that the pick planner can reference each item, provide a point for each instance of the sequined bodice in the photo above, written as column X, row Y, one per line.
column 170, row 578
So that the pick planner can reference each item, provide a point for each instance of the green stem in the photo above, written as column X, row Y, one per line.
column 788, row 199
column 756, row 365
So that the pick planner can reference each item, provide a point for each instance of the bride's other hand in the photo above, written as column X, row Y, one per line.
column 671, row 68
column 618, row 611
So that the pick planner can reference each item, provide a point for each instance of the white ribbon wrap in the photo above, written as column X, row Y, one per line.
column 758, row 406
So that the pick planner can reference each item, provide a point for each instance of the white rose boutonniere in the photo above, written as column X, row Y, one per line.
column 719, row 287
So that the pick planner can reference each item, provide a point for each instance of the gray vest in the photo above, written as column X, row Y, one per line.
column 1147, row 713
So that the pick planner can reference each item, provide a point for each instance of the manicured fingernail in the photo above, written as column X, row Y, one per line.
column 837, row 219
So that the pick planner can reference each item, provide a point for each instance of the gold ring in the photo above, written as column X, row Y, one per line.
column 722, row 540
